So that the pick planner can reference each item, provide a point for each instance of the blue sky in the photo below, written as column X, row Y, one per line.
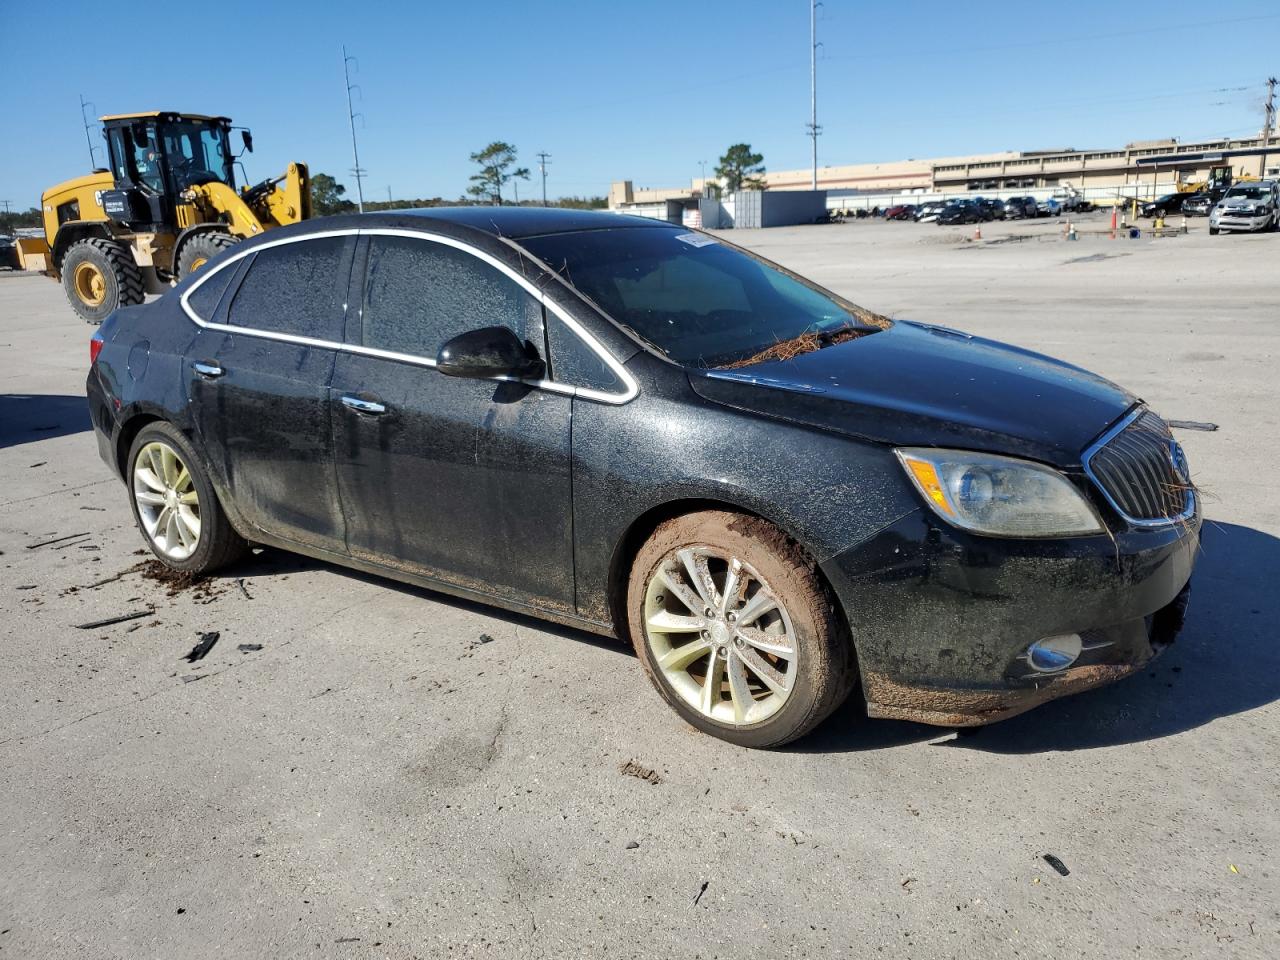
column 642, row 91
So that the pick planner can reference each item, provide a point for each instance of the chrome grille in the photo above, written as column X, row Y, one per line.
column 1141, row 471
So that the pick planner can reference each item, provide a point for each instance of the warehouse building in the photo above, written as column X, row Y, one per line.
column 1142, row 169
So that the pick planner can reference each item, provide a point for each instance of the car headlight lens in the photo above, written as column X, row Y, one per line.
column 998, row 496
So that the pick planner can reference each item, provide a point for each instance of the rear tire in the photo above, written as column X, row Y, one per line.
column 776, row 652
column 99, row 276
column 202, row 248
column 165, row 477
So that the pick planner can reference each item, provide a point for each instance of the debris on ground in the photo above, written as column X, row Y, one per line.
column 1192, row 425
column 705, row 884
column 485, row 638
column 193, row 677
column 27, row 586
column 906, row 884
column 69, row 536
column 243, row 588
column 633, row 769
column 203, row 589
column 94, row 625
column 632, row 845
column 202, row 648
column 249, row 647
column 1057, row 864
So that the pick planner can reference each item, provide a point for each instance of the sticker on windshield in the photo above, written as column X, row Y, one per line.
column 695, row 239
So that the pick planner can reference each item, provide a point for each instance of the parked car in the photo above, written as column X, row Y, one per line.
column 1019, row 208
column 928, row 211
column 1048, row 208
column 959, row 211
column 1249, row 206
column 995, row 208
column 646, row 432
column 983, row 208
column 1166, row 206
column 1199, row 204
column 901, row 211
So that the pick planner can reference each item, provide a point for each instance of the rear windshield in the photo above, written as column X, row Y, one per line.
column 701, row 302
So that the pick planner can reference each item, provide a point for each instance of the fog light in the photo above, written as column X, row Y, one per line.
column 1054, row 653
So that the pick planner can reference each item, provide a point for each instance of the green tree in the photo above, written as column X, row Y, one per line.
column 9, row 222
column 740, row 169
column 495, row 162
column 327, row 196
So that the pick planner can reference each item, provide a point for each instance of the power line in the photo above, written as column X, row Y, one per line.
column 357, row 171
column 543, row 159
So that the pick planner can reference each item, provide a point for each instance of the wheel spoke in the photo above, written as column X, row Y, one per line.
column 183, row 479
column 762, row 668
column 756, row 607
column 148, row 476
column 671, row 579
column 162, row 522
column 680, row 657
column 739, row 689
column 170, row 463
column 190, row 498
column 733, row 582
column 172, row 537
column 699, row 576
column 149, row 497
column 711, row 686
column 664, row 622
column 190, row 522
column 779, row 645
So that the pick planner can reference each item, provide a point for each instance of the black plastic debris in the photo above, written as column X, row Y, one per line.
column 632, row 845
column 1057, row 864
column 94, row 625
column 202, row 648
column 1192, row 425
column 45, row 543
column 705, row 884
column 485, row 638
column 249, row 647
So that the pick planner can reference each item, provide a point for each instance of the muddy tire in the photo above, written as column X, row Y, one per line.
column 200, row 249
column 175, row 506
column 98, row 276
column 757, row 654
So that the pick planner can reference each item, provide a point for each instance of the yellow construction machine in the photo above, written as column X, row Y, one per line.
column 168, row 204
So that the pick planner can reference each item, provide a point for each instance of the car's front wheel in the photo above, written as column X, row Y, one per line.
column 736, row 630
column 175, row 506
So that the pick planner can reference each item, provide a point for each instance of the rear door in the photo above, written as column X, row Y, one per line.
column 464, row 481
column 259, row 388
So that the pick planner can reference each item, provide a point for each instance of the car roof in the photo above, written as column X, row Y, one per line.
column 520, row 222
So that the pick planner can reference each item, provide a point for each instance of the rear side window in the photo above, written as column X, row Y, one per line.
column 418, row 294
column 204, row 299
column 295, row 288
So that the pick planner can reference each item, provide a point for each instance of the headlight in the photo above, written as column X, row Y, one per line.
column 998, row 496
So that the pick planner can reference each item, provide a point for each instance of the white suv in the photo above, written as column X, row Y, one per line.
column 1250, row 206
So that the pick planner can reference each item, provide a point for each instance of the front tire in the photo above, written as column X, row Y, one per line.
column 200, row 249
column 175, row 506
column 99, row 275
column 1213, row 231
column 736, row 630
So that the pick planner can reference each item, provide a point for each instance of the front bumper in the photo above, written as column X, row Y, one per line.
column 1225, row 221
column 942, row 619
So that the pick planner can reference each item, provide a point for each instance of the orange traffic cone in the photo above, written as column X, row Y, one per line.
column 977, row 233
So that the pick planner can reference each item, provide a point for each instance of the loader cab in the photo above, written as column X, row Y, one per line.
column 156, row 156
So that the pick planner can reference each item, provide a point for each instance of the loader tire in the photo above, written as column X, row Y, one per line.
column 98, row 276
column 200, row 249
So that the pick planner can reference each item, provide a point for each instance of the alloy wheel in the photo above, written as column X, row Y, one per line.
column 720, row 636
column 167, row 501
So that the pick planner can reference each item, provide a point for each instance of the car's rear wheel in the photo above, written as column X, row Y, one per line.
column 175, row 506
column 736, row 630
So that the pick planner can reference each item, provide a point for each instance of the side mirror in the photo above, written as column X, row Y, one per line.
column 247, row 139
column 486, row 353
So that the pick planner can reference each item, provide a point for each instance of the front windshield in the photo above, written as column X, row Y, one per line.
column 700, row 302
column 197, row 152
column 1252, row 192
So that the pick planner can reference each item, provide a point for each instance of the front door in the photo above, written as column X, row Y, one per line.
column 259, row 387
column 463, row 481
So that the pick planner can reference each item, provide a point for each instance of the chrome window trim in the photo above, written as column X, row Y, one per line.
column 587, row 393
column 1141, row 522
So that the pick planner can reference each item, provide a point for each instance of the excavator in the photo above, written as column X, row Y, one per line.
column 167, row 205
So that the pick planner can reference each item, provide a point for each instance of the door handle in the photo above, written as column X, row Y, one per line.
column 210, row 371
column 368, row 407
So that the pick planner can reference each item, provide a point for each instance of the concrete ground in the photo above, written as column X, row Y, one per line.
column 398, row 774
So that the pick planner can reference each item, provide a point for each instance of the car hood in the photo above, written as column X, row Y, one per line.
column 920, row 385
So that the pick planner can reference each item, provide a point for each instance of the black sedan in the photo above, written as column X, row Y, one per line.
column 1166, row 206
column 645, row 432
column 960, row 211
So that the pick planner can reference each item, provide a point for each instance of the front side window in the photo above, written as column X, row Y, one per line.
column 294, row 288
column 418, row 294
column 197, row 152
column 696, row 300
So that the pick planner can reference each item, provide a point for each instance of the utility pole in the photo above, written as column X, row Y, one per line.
column 1268, row 124
column 543, row 159
column 87, row 124
column 702, row 176
column 357, row 171
column 814, row 129
column 388, row 193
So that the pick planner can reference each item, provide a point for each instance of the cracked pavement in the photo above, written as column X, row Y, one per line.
column 378, row 781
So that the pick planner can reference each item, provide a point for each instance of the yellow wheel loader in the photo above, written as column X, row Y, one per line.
column 168, row 204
